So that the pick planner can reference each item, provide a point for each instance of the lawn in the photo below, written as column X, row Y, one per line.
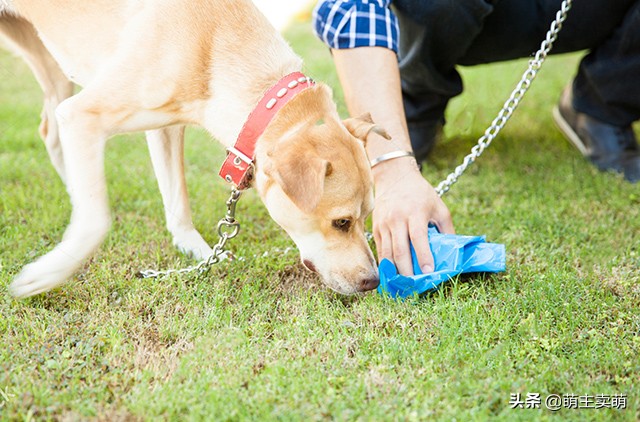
column 261, row 339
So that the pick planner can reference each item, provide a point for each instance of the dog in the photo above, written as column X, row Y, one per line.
column 156, row 66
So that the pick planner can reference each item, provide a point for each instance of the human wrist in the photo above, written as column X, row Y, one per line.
column 391, row 171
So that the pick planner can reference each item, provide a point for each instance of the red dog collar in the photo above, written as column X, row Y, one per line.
column 238, row 166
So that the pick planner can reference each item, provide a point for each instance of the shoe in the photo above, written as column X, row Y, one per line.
column 424, row 136
column 608, row 147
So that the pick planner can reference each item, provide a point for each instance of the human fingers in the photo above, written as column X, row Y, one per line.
column 442, row 218
column 401, row 249
column 392, row 243
column 420, row 241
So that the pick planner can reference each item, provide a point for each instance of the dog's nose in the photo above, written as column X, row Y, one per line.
column 369, row 284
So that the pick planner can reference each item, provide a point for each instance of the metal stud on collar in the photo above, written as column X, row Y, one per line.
column 272, row 102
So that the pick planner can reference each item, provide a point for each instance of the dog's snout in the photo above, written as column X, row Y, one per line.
column 368, row 284
column 309, row 265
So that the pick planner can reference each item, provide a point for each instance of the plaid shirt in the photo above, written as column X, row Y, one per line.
column 356, row 23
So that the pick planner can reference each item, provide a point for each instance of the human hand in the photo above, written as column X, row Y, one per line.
column 405, row 203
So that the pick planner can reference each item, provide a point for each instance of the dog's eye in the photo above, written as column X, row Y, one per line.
column 342, row 224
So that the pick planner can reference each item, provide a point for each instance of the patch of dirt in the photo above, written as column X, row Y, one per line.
column 158, row 358
column 293, row 278
column 621, row 280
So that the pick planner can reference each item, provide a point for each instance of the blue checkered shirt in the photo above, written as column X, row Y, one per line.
column 356, row 23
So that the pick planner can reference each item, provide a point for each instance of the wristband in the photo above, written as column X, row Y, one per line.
column 390, row 156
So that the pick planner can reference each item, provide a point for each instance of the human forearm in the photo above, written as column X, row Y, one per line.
column 371, row 83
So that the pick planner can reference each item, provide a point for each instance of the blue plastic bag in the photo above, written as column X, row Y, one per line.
column 452, row 254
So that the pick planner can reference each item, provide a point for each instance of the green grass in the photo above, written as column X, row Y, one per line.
column 262, row 339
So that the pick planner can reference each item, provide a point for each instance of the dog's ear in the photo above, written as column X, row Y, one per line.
column 362, row 125
column 301, row 175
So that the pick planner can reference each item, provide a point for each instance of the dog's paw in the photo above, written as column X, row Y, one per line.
column 54, row 268
column 39, row 277
column 192, row 244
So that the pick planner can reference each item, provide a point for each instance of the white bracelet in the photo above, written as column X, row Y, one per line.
column 390, row 156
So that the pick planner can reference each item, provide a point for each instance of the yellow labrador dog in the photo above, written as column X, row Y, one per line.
column 157, row 65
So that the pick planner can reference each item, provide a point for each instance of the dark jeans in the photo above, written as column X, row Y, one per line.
column 437, row 35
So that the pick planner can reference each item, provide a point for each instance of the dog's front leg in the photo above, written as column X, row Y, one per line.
column 83, row 134
column 166, row 147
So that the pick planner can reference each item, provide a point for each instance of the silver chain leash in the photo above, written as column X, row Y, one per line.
column 512, row 103
column 228, row 228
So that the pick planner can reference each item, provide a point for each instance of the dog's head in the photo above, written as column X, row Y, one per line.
column 314, row 177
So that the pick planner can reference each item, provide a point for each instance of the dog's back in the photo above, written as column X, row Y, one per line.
column 183, row 53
